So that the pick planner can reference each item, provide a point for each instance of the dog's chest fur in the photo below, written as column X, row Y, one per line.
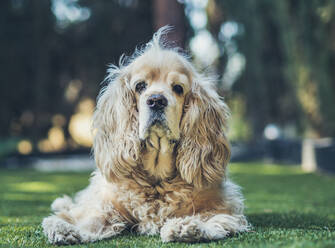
column 158, row 159
column 148, row 207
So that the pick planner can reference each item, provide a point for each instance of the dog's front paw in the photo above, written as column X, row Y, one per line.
column 182, row 229
column 60, row 232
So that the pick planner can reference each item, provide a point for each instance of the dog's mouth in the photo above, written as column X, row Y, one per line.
column 158, row 120
column 157, row 125
column 157, row 129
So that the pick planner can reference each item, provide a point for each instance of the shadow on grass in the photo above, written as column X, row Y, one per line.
column 291, row 220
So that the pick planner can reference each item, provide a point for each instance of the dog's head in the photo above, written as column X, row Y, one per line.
column 160, row 83
column 157, row 92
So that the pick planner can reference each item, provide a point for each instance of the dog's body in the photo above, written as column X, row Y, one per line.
column 161, row 153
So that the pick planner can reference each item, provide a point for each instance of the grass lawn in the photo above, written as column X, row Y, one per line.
column 286, row 207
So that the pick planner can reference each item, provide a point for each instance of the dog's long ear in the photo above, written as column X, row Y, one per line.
column 204, row 149
column 115, row 122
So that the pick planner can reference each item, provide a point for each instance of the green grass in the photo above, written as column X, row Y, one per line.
column 286, row 207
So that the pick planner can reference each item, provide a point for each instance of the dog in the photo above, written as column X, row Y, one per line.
column 161, row 152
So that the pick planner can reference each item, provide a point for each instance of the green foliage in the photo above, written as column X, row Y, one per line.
column 290, row 57
column 308, row 44
column 287, row 208
column 239, row 128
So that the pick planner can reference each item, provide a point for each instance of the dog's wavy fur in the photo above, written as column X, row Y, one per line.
column 188, row 199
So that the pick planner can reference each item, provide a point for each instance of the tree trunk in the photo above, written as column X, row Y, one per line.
column 170, row 12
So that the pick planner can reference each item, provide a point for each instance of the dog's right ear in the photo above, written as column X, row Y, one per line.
column 115, row 124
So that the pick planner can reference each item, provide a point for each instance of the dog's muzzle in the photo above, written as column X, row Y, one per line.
column 157, row 104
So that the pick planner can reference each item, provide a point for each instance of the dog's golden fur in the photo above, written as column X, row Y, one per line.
column 168, row 178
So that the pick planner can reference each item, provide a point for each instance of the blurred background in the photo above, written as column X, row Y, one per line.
column 275, row 61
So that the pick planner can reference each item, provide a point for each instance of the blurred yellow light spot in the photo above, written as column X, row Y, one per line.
column 25, row 147
column 73, row 90
column 80, row 129
column 80, row 123
column 54, row 142
column 86, row 106
column 34, row 187
column 56, row 137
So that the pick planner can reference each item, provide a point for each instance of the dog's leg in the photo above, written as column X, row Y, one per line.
column 74, row 223
column 60, row 231
column 195, row 228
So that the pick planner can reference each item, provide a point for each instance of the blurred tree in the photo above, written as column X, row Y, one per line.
column 27, row 73
column 289, row 50
column 54, row 54
column 171, row 13
column 309, row 48
column 48, row 64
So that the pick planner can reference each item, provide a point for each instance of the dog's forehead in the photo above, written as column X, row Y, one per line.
column 157, row 65
column 158, row 61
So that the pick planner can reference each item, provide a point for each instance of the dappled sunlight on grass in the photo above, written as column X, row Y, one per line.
column 13, row 196
column 265, row 169
column 34, row 187
column 28, row 180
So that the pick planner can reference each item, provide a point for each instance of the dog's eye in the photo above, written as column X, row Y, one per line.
column 140, row 87
column 178, row 89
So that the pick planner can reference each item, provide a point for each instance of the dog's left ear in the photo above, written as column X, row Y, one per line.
column 204, row 149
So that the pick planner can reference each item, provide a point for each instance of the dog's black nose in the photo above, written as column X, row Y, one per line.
column 157, row 101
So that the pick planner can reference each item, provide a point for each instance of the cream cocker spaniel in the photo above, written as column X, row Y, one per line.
column 161, row 152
